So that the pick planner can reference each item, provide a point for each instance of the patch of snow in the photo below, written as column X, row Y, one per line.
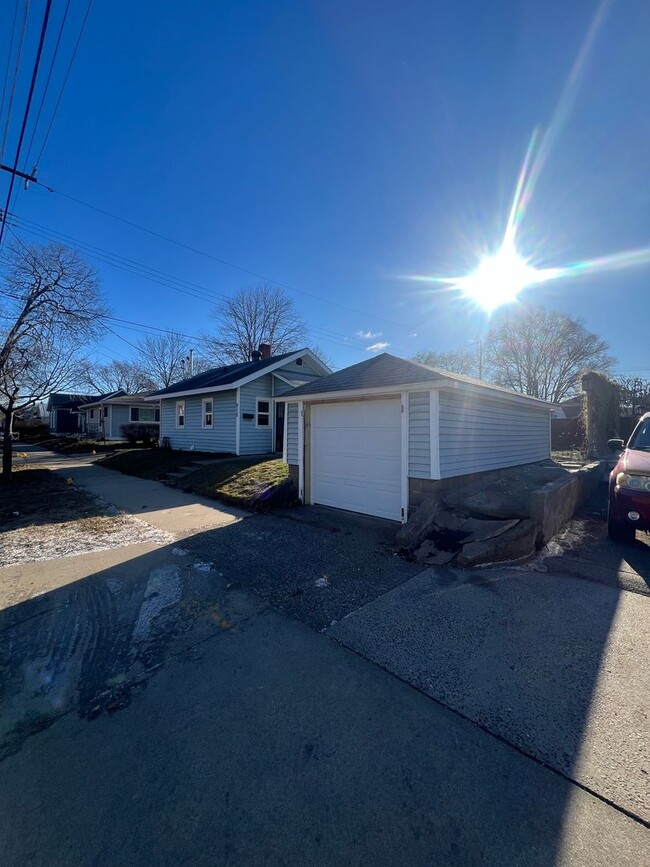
column 180, row 552
column 321, row 582
column 200, row 566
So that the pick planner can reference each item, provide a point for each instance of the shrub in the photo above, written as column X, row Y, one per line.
column 147, row 434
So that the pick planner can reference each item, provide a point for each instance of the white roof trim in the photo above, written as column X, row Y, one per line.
column 483, row 391
column 231, row 386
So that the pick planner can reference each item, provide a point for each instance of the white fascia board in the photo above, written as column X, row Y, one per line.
column 301, row 450
column 231, row 386
column 404, row 456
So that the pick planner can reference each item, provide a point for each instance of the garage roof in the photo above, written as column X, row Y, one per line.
column 386, row 371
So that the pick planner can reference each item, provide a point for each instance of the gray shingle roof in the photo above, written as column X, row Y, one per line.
column 218, row 376
column 67, row 400
column 386, row 370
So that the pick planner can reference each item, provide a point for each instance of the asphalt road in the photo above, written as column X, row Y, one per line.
column 180, row 704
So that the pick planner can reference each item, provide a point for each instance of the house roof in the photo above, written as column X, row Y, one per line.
column 389, row 371
column 119, row 397
column 230, row 376
column 67, row 400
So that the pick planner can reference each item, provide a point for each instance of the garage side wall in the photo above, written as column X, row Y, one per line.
column 478, row 434
column 419, row 438
column 292, row 434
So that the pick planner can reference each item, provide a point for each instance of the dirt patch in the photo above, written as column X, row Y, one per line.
column 43, row 516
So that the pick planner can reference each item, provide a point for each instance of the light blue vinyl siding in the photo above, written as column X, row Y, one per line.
column 255, row 440
column 220, row 438
column 304, row 371
column 280, row 387
column 419, row 435
column 292, row 433
column 478, row 434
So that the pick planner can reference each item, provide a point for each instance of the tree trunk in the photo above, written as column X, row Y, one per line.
column 7, row 443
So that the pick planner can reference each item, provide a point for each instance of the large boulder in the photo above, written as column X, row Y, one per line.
column 517, row 542
column 419, row 524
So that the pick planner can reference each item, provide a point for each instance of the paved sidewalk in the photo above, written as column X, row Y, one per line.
column 159, row 505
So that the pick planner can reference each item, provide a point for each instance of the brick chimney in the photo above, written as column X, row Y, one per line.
column 265, row 350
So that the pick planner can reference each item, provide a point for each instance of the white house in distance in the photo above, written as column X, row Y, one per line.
column 106, row 415
column 376, row 437
column 235, row 409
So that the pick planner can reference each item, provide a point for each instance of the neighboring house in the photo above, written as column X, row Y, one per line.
column 234, row 409
column 377, row 436
column 572, row 407
column 105, row 416
column 63, row 412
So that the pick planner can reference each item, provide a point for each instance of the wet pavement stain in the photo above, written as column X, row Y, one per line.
column 94, row 650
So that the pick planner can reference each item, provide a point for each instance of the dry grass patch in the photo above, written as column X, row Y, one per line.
column 252, row 483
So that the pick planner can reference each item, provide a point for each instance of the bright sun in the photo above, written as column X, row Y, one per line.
column 498, row 280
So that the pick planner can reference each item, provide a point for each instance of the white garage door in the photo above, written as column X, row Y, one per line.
column 355, row 457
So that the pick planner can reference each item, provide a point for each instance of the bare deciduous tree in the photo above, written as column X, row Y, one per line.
column 456, row 361
column 261, row 314
column 634, row 395
column 116, row 376
column 51, row 307
column 164, row 359
column 542, row 353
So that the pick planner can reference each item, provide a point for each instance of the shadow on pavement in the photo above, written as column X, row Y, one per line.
column 157, row 712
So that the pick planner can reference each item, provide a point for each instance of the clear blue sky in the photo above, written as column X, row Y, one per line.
column 334, row 146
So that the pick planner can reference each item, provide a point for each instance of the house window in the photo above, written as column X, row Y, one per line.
column 140, row 413
column 105, row 412
column 92, row 413
column 207, row 412
column 262, row 412
column 180, row 413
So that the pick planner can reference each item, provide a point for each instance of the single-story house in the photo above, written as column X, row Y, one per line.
column 106, row 415
column 377, row 436
column 235, row 409
column 63, row 412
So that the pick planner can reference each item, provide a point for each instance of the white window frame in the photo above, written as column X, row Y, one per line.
column 204, row 423
column 180, row 403
column 268, row 401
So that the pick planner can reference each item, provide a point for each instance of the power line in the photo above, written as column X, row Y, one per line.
column 65, row 81
column 225, row 262
column 47, row 82
column 15, row 75
column 23, row 127
column 162, row 278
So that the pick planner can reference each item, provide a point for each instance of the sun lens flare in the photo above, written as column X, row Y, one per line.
column 498, row 280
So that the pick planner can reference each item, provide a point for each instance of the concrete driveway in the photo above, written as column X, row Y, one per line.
column 179, row 704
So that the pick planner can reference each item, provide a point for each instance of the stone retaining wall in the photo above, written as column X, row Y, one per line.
column 556, row 502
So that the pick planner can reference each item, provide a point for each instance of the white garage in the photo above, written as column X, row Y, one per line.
column 356, row 456
column 376, row 437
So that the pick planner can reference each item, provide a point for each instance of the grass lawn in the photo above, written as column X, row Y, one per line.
column 41, row 496
column 151, row 463
column 252, row 483
column 78, row 447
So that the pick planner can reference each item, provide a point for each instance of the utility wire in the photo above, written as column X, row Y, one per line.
column 47, row 82
column 15, row 76
column 37, row 63
column 65, row 81
column 225, row 262
column 195, row 290
column 8, row 66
